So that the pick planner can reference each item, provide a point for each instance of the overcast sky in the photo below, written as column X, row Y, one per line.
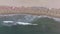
column 41, row 3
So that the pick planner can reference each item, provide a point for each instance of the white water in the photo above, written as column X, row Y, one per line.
column 15, row 23
column 22, row 19
column 56, row 19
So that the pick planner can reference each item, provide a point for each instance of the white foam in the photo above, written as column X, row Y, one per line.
column 7, row 21
column 22, row 23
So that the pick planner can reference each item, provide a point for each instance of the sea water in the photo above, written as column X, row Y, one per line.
column 18, row 28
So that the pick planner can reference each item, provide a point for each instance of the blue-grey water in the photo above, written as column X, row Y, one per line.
column 10, row 28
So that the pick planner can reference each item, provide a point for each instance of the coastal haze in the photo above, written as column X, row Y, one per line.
column 29, row 3
column 24, row 2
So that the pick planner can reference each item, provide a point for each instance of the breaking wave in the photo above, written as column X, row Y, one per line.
column 21, row 19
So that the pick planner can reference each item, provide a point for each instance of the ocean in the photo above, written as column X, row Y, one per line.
column 21, row 29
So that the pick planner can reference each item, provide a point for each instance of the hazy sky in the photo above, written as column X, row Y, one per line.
column 43, row 3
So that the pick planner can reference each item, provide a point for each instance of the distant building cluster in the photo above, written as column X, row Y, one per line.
column 30, row 10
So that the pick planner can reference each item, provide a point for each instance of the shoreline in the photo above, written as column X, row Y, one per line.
column 6, row 15
column 28, row 14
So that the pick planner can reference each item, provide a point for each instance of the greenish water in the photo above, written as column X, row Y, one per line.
column 19, row 29
column 45, row 26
